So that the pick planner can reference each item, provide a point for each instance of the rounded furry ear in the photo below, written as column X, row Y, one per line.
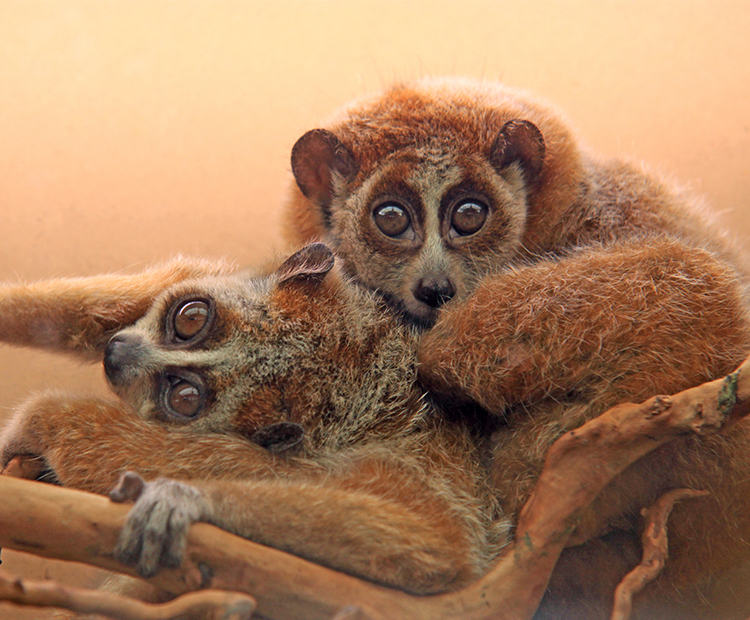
column 308, row 265
column 317, row 158
column 522, row 142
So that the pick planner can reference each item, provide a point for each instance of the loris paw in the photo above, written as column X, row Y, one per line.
column 155, row 533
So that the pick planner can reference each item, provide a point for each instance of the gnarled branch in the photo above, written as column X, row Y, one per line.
column 654, row 551
column 77, row 526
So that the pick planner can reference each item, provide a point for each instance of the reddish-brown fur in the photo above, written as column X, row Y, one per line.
column 616, row 287
column 383, row 489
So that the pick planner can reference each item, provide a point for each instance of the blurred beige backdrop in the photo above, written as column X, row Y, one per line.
column 132, row 130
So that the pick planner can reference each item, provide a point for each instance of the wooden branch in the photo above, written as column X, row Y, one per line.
column 66, row 524
column 655, row 551
column 217, row 605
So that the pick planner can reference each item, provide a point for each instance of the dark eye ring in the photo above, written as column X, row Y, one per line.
column 393, row 220
column 190, row 318
column 468, row 217
column 183, row 399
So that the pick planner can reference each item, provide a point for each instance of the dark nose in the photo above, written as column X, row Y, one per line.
column 434, row 290
column 120, row 354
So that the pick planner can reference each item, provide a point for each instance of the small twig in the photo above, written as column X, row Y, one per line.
column 219, row 605
column 655, row 551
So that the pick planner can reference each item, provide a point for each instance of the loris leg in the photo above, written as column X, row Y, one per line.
column 611, row 324
column 79, row 315
column 556, row 343
column 376, row 512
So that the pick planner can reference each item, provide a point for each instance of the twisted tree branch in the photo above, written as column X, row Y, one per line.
column 72, row 525
column 654, row 551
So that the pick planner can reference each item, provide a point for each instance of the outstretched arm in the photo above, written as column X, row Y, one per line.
column 600, row 321
column 80, row 315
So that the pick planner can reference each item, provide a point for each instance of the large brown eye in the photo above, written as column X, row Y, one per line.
column 190, row 318
column 392, row 219
column 184, row 399
column 468, row 218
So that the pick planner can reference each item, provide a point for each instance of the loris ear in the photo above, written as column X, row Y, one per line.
column 308, row 265
column 522, row 142
column 317, row 157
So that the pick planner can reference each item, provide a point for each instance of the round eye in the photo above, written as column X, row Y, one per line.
column 392, row 219
column 184, row 399
column 190, row 318
column 469, row 217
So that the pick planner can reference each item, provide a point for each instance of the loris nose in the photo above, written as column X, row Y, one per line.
column 121, row 352
column 434, row 290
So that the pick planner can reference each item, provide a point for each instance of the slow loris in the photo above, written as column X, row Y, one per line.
column 378, row 486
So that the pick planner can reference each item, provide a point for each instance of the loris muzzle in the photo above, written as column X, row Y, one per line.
column 429, row 220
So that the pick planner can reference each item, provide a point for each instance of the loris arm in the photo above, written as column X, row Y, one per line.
column 80, row 315
column 87, row 443
column 374, row 513
column 367, row 516
column 624, row 322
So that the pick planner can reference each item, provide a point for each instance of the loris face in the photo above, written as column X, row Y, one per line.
column 183, row 361
column 215, row 353
column 428, row 221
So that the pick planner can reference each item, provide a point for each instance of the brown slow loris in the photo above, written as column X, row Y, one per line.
column 378, row 485
column 554, row 284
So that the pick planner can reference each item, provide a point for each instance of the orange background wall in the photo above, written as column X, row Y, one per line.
column 134, row 130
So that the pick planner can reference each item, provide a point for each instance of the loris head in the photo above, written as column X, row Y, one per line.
column 234, row 353
column 426, row 188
